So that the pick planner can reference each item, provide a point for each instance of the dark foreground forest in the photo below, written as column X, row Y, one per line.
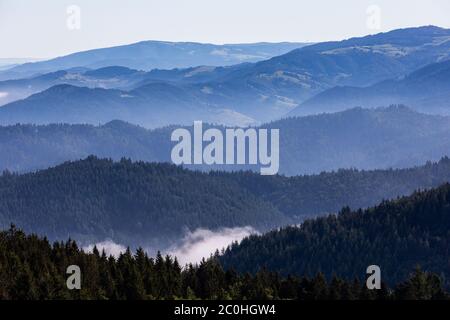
column 324, row 258
column 31, row 268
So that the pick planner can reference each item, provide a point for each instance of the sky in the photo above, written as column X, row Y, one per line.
column 50, row 28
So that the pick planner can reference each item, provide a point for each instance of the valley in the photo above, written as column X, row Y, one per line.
column 129, row 163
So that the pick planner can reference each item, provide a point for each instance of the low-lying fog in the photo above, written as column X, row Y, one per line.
column 193, row 247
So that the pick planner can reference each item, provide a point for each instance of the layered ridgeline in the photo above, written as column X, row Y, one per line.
column 426, row 90
column 148, row 55
column 365, row 139
column 397, row 236
column 153, row 205
column 242, row 94
column 111, row 77
column 132, row 203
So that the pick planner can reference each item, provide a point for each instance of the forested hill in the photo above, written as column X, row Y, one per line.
column 128, row 202
column 397, row 236
column 357, row 138
column 139, row 203
column 32, row 269
column 327, row 192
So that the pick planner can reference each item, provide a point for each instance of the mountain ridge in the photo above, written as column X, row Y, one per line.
column 155, row 204
column 259, row 92
column 146, row 55
column 426, row 90
column 396, row 137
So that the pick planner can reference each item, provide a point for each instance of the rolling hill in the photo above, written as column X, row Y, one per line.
column 397, row 236
column 426, row 90
column 135, row 203
column 153, row 105
column 112, row 77
column 358, row 138
column 247, row 93
column 155, row 205
column 269, row 89
column 148, row 55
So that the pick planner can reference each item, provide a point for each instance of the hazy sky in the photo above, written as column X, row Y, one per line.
column 39, row 28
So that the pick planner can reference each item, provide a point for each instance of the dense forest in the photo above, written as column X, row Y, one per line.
column 310, row 195
column 396, row 235
column 133, row 203
column 356, row 138
column 151, row 204
column 31, row 268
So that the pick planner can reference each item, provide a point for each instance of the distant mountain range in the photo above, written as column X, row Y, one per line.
column 148, row 55
column 8, row 63
column 358, row 138
column 113, row 77
column 243, row 94
column 85, row 150
column 153, row 205
column 21, row 88
column 426, row 90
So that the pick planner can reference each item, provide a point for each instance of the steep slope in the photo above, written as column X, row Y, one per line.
column 426, row 90
column 397, row 236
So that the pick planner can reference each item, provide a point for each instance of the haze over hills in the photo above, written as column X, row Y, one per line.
column 358, row 138
column 248, row 93
column 426, row 90
column 112, row 77
column 106, row 78
column 154, row 205
column 148, row 55
column 179, row 170
column 154, row 105
column 361, row 138
column 271, row 88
